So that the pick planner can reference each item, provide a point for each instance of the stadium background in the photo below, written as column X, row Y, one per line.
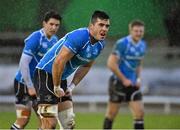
column 160, row 75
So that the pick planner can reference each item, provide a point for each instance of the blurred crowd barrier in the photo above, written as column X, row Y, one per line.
column 160, row 88
column 155, row 81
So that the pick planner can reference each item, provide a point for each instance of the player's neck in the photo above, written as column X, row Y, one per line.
column 46, row 34
column 93, row 40
column 49, row 37
column 135, row 41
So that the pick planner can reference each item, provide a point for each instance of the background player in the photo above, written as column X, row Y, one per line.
column 126, row 63
column 36, row 45
column 76, row 51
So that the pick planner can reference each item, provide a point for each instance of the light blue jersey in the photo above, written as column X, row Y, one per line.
column 130, row 55
column 78, row 42
column 36, row 45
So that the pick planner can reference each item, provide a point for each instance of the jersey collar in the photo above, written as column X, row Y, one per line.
column 44, row 34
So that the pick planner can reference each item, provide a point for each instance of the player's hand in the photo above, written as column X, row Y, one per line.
column 34, row 102
column 68, row 92
column 31, row 91
column 58, row 91
column 70, row 89
column 138, row 82
column 127, row 82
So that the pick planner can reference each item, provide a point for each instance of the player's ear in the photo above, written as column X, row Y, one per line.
column 130, row 30
column 90, row 25
column 44, row 23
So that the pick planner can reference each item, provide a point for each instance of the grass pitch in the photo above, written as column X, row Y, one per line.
column 95, row 121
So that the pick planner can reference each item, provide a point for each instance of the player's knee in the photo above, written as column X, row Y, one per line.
column 67, row 118
column 47, row 110
column 111, row 114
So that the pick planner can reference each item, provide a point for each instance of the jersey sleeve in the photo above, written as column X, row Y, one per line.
column 25, row 70
column 119, row 48
column 31, row 44
column 74, row 41
column 144, row 48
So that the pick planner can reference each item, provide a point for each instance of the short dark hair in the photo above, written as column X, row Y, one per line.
column 51, row 14
column 136, row 22
column 99, row 14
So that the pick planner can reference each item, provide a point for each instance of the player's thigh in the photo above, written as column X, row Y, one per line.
column 48, row 123
column 65, row 111
column 116, row 91
column 65, row 102
column 66, row 114
column 64, row 105
column 137, row 108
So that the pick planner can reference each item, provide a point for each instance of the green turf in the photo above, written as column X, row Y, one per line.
column 95, row 120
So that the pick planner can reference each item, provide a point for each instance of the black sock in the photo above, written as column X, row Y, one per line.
column 14, row 127
column 107, row 123
column 139, row 124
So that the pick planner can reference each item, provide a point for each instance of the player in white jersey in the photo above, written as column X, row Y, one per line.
column 36, row 45
column 76, row 51
column 126, row 63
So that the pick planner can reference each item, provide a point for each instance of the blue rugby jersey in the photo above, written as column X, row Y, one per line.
column 78, row 42
column 130, row 54
column 36, row 45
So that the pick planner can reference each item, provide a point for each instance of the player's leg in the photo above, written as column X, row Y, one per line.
column 111, row 112
column 35, row 108
column 65, row 108
column 47, row 101
column 48, row 115
column 23, row 106
column 66, row 114
column 22, row 117
column 138, row 114
column 137, row 109
column 116, row 96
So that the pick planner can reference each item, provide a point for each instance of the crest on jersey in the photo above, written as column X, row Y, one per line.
column 132, row 49
column 44, row 45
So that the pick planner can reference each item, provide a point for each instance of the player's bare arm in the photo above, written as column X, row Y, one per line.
column 81, row 72
column 78, row 76
column 112, row 64
column 58, row 67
